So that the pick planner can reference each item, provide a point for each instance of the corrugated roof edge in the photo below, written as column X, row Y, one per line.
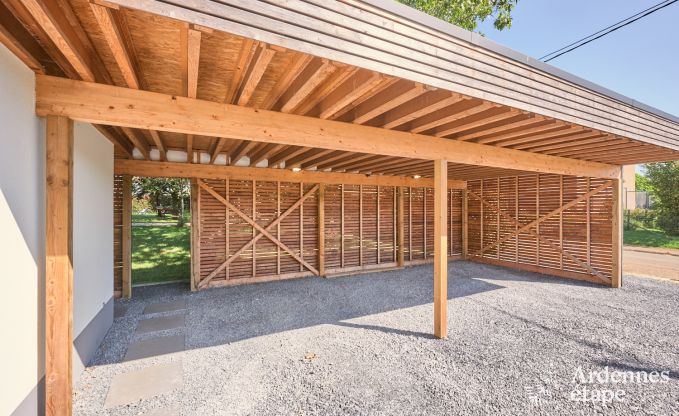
column 407, row 12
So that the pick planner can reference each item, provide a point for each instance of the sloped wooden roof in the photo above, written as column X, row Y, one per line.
column 128, row 47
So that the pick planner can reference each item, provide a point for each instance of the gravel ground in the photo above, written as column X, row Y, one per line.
column 362, row 345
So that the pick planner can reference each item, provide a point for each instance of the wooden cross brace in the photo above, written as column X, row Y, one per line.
column 263, row 231
column 529, row 228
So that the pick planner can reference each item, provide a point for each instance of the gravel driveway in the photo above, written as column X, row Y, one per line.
column 362, row 345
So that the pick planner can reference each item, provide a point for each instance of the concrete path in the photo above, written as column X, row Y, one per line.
column 651, row 264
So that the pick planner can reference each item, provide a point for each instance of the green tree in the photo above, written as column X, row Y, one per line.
column 163, row 193
column 468, row 13
column 664, row 180
column 642, row 183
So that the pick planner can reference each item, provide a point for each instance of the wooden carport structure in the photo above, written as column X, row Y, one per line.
column 329, row 137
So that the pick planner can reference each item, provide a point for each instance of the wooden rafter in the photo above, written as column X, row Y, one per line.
column 264, row 232
column 291, row 72
column 399, row 93
column 138, row 141
column 262, row 56
column 350, row 90
column 483, row 118
column 448, row 114
column 117, row 44
column 313, row 74
column 218, row 146
column 529, row 120
column 118, row 140
column 242, row 63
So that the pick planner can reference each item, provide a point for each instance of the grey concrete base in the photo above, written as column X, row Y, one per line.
column 34, row 403
column 128, row 388
column 175, row 305
column 86, row 343
column 161, row 323
column 154, row 347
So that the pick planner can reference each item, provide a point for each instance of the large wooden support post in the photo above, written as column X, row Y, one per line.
column 401, row 228
column 59, row 266
column 126, row 238
column 195, row 235
column 616, row 231
column 440, row 249
column 321, row 230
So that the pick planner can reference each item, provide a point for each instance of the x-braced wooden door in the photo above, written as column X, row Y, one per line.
column 253, row 231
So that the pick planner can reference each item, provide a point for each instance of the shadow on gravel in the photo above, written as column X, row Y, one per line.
column 230, row 314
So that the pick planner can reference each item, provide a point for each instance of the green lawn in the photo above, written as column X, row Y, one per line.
column 650, row 238
column 160, row 254
column 137, row 218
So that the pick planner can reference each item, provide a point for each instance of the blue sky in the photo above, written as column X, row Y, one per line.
column 640, row 61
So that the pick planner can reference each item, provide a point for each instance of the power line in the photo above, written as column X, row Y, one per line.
column 605, row 31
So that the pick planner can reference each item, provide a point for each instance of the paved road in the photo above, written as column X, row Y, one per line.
column 639, row 263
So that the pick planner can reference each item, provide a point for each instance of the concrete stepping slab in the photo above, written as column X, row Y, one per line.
column 154, row 347
column 163, row 411
column 131, row 387
column 119, row 311
column 160, row 323
column 175, row 305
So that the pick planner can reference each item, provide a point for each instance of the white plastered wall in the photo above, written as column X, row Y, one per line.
column 22, row 231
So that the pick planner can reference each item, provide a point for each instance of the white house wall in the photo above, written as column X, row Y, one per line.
column 22, row 242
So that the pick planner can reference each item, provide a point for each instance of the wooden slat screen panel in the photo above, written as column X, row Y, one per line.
column 360, row 228
column 117, row 235
column 419, row 224
column 584, row 230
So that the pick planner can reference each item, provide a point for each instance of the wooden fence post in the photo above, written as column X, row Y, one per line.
column 59, row 266
column 321, row 229
column 126, row 243
column 616, row 231
column 401, row 228
column 195, row 235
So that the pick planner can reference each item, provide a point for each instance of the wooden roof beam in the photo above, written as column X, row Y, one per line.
column 138, row 142
column 117, row 139
column 558, row 131
column 286, row 154
column 217, row 149
column 155, row 136
column 109, row 27
column 185, row 170
column 399, row 93
column 304, row 157
column 260, row 61
column 484, row 118
column 308, row 80
column 242, row 64
column 106, row 104
column 527, row 122
column 265, row 153
column 351, row 89
column 542, row 126
column 417, row 107
column 446, row 115
column 331, row 83
column 565, row 142
column 21, row 43
column 54, row 18
column 349, row 158
column 329, row 158
column 285, row 81
column 242, row 150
